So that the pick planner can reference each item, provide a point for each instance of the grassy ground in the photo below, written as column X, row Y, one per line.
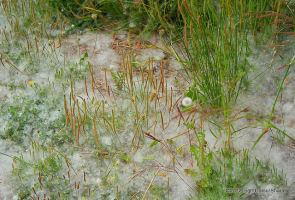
column 147, row 99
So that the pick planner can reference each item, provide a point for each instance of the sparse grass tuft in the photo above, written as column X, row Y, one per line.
column 232, row 175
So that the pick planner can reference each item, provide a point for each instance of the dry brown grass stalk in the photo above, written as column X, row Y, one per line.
column 95, row 134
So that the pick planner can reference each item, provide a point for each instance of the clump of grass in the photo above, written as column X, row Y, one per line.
column 228, row 175
column 152, row 15
column 216, row 46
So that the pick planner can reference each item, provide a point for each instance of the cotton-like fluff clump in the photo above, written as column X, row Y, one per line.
column 186, row 101
column 132, row 25
column 98, row 181
column 6, row 190
column 77, row 161
column 138, row 157
column 107, row 140
column 113, row 67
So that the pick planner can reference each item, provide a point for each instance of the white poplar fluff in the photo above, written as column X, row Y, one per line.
column 113, row 67
column 132, row 25
column 186, row 101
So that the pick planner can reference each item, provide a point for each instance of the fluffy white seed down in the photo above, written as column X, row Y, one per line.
column 113, row 67
column 132, row 25
column 187, row 101
column 107, row 140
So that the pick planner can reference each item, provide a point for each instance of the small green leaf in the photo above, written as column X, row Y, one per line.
column 154, row 143
column 149, row 157
column 124, row 157
column 212, row 133
column 191, row 172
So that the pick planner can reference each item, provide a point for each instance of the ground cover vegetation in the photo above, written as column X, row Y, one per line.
column 126, row 133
